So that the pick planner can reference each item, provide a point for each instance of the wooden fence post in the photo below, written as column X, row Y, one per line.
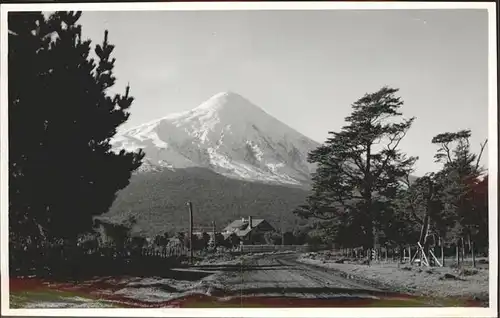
column 469, row 249
column 463, row 249
column 441, row 243
column 190, row 206
column 473, row 254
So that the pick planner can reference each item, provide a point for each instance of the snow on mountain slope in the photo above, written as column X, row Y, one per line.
column 227, row 134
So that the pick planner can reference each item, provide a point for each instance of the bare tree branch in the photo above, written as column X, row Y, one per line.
column 380, row 119
column 414, row 213
column 397, row 138
column 483, row 145
column 353, row 178
column 359, row 163
column 447, row 149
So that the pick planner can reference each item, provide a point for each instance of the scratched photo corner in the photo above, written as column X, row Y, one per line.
column 248, row 158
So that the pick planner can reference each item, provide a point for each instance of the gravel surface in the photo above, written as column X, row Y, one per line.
column 279, row 275
column 436, row 282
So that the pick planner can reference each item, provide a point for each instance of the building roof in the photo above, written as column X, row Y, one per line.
column 240, row 227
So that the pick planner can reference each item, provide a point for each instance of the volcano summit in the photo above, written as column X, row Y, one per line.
column 227, row 134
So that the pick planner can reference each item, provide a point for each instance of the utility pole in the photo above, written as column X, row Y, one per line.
column 190, row 206
column 213, row 233
column 281, row 230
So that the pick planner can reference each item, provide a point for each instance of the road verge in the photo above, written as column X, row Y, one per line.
column 447, row 283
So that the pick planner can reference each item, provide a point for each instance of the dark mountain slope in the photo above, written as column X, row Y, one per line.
column 158, row 200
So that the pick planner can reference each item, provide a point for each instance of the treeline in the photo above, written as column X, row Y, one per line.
column 206, row 242
column 364, row 193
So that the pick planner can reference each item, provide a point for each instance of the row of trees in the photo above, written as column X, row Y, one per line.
column 364, row 193
column 120, row 237
column 297, row 237
column 205, row 241
column 62, row 116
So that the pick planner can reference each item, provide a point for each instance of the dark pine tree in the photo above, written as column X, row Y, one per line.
column 480, row 213
column 458, row 179
column 27, row 46
column 360, row 170
column 61, row 120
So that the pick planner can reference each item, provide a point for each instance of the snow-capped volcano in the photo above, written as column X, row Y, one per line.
column 227, row 134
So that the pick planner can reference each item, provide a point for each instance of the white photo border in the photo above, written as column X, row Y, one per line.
column 254, row 312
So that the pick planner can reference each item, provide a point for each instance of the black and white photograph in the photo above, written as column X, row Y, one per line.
column 325, row 157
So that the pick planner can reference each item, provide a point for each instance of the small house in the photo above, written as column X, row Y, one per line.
column 248, row 230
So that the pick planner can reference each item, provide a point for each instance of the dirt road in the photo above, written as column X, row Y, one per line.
column 282, row 276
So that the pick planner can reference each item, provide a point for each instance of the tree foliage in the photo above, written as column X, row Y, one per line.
column 61, row 120
column 363, row 191
column 272, row 238
column 205, row 238
column 451, row 203
column 117, row 235
column 162, row 240
column 218, row 240
column 232, row 240
column 359, row 169
column 458, row 179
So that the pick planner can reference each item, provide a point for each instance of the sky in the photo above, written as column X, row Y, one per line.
column 306, row 68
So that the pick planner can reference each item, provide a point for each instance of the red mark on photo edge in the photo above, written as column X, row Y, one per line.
column 103, row 290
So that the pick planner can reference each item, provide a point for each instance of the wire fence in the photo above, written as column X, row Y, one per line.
column 267, row 248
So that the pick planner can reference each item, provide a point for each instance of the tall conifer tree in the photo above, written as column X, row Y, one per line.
column 360, row 169
column 61, row 120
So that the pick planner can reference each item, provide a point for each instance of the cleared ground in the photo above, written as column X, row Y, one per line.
column 280, row 275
